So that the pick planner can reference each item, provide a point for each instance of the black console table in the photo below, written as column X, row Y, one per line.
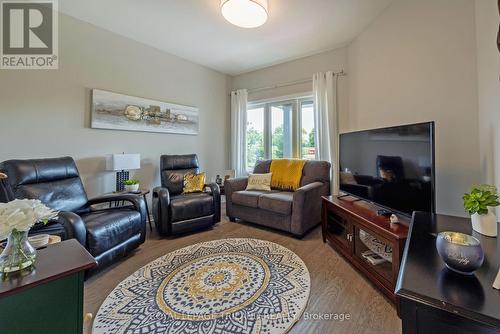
column 436, row 300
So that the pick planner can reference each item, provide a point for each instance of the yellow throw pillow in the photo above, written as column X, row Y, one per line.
column 194, row 183
column 259, row 182
column 287, row 173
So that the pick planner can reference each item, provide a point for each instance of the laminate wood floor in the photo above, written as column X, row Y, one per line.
column 336, row 288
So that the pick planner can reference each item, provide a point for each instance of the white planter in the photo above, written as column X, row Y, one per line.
column 485, row 224
column 132, row 188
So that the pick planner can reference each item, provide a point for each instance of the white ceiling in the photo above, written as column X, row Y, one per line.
column 195, row 29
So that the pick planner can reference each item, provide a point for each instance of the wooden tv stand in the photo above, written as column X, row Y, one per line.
column 350, row 225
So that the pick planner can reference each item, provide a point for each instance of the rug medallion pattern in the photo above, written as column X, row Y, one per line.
column 222, row 286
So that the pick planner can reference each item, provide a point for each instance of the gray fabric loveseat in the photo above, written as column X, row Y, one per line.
column 294, row 212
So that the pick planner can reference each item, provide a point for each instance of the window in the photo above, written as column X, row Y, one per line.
column 282, row 129
column 255, row 135
column 307, row 133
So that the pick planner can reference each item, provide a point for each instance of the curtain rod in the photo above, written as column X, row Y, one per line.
column 291, row 83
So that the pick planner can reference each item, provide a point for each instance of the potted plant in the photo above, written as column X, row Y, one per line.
column 131, row 186
column 480, row 203
column 16, row 219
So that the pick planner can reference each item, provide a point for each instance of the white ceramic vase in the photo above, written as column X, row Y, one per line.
column 485, row 224
column 132, row 188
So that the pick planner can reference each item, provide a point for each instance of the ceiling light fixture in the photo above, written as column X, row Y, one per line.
column 245, row 13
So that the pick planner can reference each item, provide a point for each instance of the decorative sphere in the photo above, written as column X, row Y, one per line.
column 460, row 252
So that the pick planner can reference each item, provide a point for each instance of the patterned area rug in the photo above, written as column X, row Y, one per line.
column 221, row 286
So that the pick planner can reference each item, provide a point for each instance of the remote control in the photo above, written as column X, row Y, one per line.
column 384, row 212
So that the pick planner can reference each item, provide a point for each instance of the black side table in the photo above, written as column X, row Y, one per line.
column 437, row 300
column 143, row 193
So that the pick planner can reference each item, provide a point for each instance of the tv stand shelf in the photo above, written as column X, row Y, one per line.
column 353, row 228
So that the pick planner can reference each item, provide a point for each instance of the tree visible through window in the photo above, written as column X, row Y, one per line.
column 308, row 149
column 277, row 148
column 281, row 127
column 280, row 130
column 255, row 136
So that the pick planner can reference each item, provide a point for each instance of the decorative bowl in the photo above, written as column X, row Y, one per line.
column 461, row 253
column 39, row 240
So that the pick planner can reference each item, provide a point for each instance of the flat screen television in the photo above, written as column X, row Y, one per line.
column 392, row 167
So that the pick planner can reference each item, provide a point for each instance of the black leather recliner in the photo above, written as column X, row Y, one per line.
column 175, row 212
column 392, row 164
column 107, row 233
column 6, row 194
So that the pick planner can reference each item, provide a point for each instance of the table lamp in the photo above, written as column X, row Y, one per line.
column 121, row 164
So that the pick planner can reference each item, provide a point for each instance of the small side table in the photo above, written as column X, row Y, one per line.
column 143, row 193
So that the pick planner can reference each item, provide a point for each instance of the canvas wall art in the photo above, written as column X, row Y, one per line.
column 122, row 112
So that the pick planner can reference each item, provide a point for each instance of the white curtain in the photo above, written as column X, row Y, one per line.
column 326, row 122
column 239, row 101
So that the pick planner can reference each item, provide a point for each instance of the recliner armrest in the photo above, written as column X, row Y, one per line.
column 135, row 200
column 162, row 194
column 161, row 213
column 215, row 190
column 73, row 226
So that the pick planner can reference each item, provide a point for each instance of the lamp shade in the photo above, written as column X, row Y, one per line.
column 118, row 162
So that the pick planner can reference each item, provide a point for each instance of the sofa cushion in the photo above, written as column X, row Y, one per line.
column 248, row 198
column 174, row 167
column 286, row 173
column 262, row 167
column 279, row 202
column 194, row 183
column 315, row 171
column 259, row 182
column 192, row 205
column 109, row 228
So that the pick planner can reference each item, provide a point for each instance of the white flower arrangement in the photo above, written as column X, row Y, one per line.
column 22, row 214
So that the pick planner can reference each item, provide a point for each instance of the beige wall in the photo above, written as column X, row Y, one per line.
column 488, row 70
column 46, row 113
column 304, row 68
column 416, row 63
